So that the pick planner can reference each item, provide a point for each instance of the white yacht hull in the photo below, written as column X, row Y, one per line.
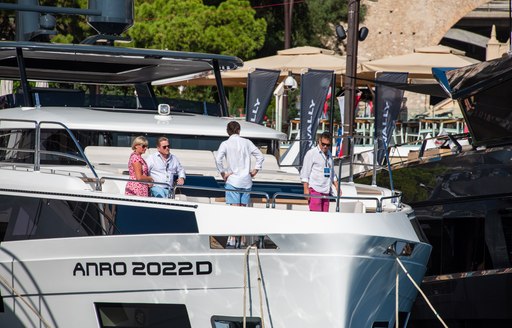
column 333, row 274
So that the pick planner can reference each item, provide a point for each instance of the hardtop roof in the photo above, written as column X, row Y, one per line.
column 104, row 64
column 142, row 121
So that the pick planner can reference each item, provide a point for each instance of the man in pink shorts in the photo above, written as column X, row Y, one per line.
column 317, row 173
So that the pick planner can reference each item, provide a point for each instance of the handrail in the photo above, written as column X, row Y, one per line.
column 261, row 193
column 268, row 202
column 378, row 200
column 397, row 196
column 165, row 184
column 451, row 137
column 38, row 151
column 173, row 193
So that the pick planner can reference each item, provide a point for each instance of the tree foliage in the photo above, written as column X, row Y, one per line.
column 243, row 28
column 312, row 22
column 7, row 27
column 230, row 28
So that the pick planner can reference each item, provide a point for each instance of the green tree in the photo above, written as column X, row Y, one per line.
column 312, row 22
column 229, row 28
column 70, row 28
column 7, row 27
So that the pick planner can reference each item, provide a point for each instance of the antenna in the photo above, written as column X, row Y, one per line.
column 109, row 18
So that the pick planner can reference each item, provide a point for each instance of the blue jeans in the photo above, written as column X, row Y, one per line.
column 159, row 192
column 239, row 198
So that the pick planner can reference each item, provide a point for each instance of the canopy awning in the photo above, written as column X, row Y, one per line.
column 466, row 81
column 483, row 91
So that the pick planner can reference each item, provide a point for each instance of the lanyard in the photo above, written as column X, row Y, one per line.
column 326, row 157
column 166, row 163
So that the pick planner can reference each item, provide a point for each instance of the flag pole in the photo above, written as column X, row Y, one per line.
column 350, row 74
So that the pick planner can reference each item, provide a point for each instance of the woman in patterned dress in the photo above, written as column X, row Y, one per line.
column 138, row 169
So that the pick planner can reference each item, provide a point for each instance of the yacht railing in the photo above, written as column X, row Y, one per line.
column 261, row 193
column 396, row 198
column 172, row 193
column 37, row 151
column 270, row 202
column 453, row 138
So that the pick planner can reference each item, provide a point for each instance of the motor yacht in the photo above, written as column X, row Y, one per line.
column 75, row 251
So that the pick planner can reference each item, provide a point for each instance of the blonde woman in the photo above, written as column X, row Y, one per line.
column 138, row 169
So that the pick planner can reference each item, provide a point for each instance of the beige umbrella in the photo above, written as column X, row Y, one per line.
column 418, row 64
column 295, row 60
column 6, row 87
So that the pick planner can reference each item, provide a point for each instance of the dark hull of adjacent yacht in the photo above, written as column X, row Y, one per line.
column 464, row 205
column 477, row 299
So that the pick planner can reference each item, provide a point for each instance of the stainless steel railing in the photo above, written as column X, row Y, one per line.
column 37, row 149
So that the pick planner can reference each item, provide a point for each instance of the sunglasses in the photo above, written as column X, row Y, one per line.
column 165, row 146
column 326, row 144
column 143, row 146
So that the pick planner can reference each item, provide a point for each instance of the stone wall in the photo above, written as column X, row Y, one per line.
column 398, row 27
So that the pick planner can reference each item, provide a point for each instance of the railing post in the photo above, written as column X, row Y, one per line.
column 351, row 144
column 37, row 154
column 374, row 169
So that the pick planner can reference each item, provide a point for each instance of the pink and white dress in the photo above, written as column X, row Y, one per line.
column 136, row 188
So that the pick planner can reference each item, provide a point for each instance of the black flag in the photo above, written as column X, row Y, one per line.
column 313, row 92
column 388, row 101
column 260, row 85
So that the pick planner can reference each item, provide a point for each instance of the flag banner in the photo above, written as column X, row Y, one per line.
column 339, row 139
column 260, row 85
column 388, row 101
column 326, row 104
column 313, row 93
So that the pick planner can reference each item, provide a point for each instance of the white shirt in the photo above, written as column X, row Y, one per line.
column 238, row 151
column 312, row 172
column 163, row 170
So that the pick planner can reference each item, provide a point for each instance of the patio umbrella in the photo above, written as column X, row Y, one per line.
column 295, row 60
column 418, row 64
column 6, row 87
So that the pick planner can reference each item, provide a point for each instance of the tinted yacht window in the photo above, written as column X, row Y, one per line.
column 141, row 220
column 16, row 146
column 488, row 115
column 33, row 218
column 136, row 315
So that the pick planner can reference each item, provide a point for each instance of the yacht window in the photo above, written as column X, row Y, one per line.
column 229, row 242
column 58, row 141
column 33, row 218
column 5, row 215
column 235, row 322
column 136, row 315
column 17, row 146
column 195, row 142
column 463, row 245
column 502, row 250
column 143, row 220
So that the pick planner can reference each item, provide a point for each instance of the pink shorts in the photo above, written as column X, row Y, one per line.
column 318, row 204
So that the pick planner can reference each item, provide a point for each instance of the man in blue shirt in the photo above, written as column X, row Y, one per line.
column 163, row 167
